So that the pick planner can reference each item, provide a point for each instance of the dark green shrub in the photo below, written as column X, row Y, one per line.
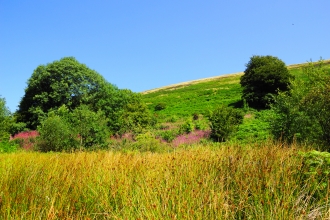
column 56, row 134
column 263, row 77
column 223, row 122
column 160, row 106
column 195, row 116
column 91, row 127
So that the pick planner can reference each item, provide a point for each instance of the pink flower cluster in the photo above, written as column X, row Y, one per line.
column 26, row 139
column 191, row 138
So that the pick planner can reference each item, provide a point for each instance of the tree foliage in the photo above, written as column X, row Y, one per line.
column 70, row 83
column 62, row 82
column 303, row 113
column 80, row 129
column 4, row 120
column 263, row 77
column 224, row 121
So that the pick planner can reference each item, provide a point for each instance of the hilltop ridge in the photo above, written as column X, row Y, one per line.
column 191, row 82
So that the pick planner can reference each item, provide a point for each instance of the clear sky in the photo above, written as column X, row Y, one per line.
column 145, row 44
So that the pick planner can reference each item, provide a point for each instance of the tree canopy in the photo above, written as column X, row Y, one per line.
column 263, row 77
column 65, row 82
column 70, row 83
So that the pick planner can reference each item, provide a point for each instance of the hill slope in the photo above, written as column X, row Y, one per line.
column 198, row 96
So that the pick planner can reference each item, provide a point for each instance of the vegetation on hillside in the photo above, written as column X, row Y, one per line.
column 194, row 151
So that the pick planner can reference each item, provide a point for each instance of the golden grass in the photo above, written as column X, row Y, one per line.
column 228, row 182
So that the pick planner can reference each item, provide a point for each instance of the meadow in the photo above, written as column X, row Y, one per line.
column 199, row 182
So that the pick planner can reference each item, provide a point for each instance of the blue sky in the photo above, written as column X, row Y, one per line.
column 145, row 44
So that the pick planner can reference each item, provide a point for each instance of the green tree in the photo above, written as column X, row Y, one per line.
column 263, row 77
column 135, row 116
column 62, row 82
column 303, row 113
column 91, row 127
column 56, row 134
column 4, row 121
column 224, row 121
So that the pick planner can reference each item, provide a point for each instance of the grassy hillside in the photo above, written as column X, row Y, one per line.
column 198, row 96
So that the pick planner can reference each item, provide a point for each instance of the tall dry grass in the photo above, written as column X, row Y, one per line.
column 227, row 182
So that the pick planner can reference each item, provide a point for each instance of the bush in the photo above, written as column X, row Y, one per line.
column 8, row 147
column 263, row 77
column 169, row 135
column 56, row 135
column 4, row 121
column 223, row 122
column 187, row 127
column 136, row 118
column 200, row 124
column 91, row 127
column 160, row 106
column 148, row 142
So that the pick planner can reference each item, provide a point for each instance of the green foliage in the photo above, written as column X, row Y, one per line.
column 124, row 110
column 63, row 130
column 56, row 134
column 8, row 147
column 255, row 127
column 147, row 142
column 187, row 127
column 224, row 121
column 62, row 82
column 135, row 116
column 263, row 77
column 201, row 124
column 91, row 127
column 169, row 135
column 5, row 121
column 160, row 106
column 17, row 127
column 303, row 113
column 316, row 171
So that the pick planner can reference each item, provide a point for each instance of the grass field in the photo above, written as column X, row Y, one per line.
column 228, row 182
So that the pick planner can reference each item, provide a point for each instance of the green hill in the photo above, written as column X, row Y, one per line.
column 197, row 96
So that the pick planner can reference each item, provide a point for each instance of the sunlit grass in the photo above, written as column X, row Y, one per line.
column 219, row 182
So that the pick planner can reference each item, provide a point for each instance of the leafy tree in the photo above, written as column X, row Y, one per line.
column 303, row 113
column 91, row 127
column 4, row 120
column 56, row 134
column 135, row 116
column 223, row 122
column 263, row 77
column 62, row 82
